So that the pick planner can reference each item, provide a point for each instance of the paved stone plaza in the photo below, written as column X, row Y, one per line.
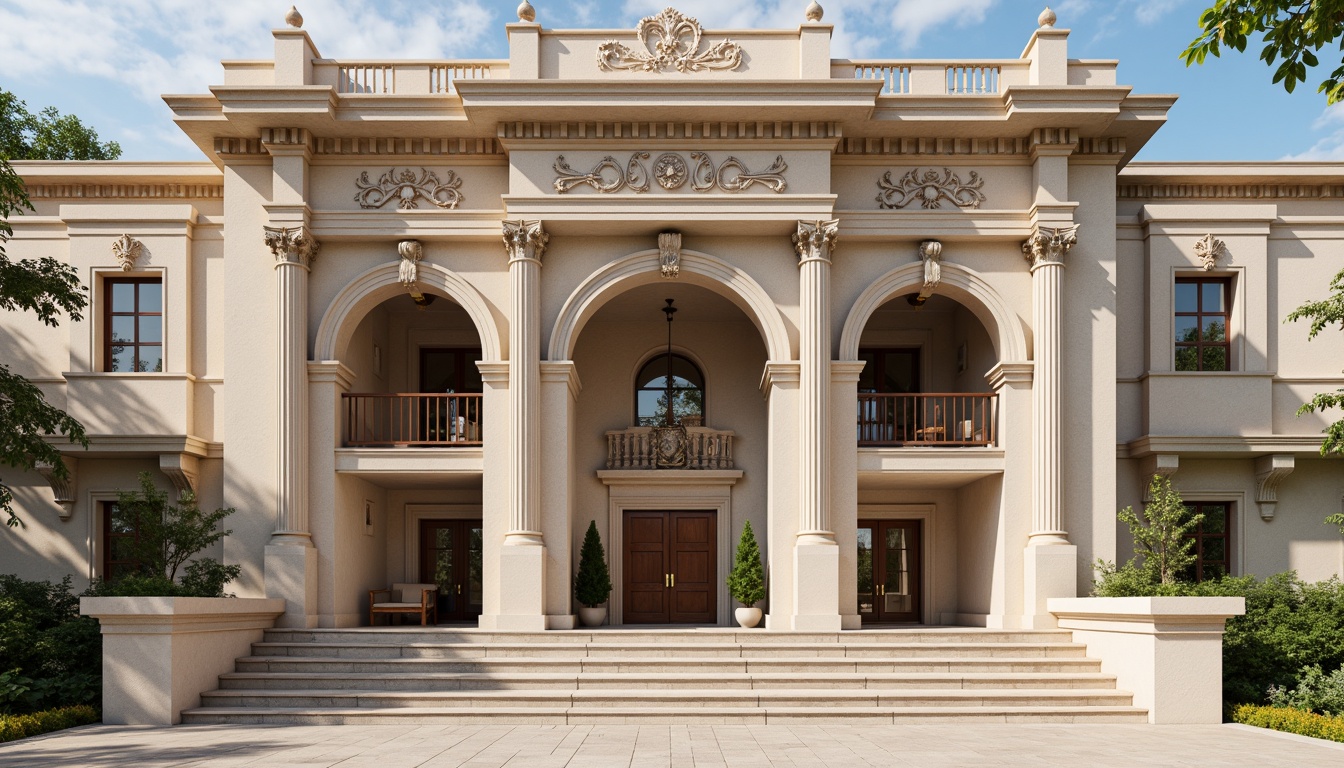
column 649, row 746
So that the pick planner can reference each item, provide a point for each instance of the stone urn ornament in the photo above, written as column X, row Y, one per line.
column 746, row 582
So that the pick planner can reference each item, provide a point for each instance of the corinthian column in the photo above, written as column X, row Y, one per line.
column 294, row 250
column 816, row 556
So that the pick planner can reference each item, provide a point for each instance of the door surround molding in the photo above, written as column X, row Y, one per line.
column 635, row 490
column 927, row 515
column 417, row 511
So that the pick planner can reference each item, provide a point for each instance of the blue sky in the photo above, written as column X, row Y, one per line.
column 108, row 61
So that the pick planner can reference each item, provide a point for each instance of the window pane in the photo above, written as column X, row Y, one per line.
column 119, row 523
column 151, row 329
column 1215, row 329
column 123, row 359
column 1212, row 295
column 1215, row 359
column 1187, row 297
column 123, row 297
column 151, row 297
column 1187, row 358
column 151, row 360
column 1215, row 549
column 1215, row 518
column 1187, row 329
column 123, row 328
column 650, row 413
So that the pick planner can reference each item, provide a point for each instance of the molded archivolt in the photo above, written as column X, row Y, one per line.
column 370, row 289
column 958, row 282
column 643, row 268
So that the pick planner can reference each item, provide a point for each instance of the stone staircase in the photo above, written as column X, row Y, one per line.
column 712, row 675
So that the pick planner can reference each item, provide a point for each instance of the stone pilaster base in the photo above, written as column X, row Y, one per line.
column 816, row 588
column 522, row 590
column 291, row 575
column 1050, row 570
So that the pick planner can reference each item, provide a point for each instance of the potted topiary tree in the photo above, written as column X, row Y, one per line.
column 746, row 582
column 592, row 585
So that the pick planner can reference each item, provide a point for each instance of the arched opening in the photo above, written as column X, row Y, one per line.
column 674, row 375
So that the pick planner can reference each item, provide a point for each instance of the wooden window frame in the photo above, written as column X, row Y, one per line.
column 136, row 344
column 1201, row 317
column 106, row 509
column 1200, row 537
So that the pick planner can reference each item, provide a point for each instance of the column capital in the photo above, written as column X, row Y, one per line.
column 292, row 245
column 815, row 240
column 1048, row 245
column 525, row 240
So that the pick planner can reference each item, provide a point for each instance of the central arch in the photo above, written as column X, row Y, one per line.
column 643, row 268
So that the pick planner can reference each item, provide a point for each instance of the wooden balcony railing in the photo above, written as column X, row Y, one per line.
column 384, row 419
column 634, row 448
column 927, row 419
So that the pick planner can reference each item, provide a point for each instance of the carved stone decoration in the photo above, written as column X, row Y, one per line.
column 411, row 253
column 292, row 244
column 526, row 13
column 1209, row 249
column 816, row 239
column 127, row 250
column 182, row 469
column 931, row 252
column 525, row 240
column 1047, row 19
column 676, row 45
column 62, row 488
column 671, row 172
column 930, row 190
column 669, row 254
column 1048, row 245
column 1269, row 472
column 669, row 445
column 406, row 189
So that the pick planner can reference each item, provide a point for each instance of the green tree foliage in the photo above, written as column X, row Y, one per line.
column 1161, row 538
column 48, row 135
column 1328, row 311
column 1293, row 31
column 1315, row 692
column 746, row 582
column 49, row 655
column 592, row 585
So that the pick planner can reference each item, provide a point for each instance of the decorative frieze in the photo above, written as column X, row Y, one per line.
column 1209, row 249
column 934, row 146
column 672, row 41
column 1048, row 245
column 930, row 190
column 1229, row 191
column 669, row 254
column 125, row 192
column 126, row 250
column 672, row 173
column 778, row 130
column 291, row 245
column 405, row 146
column 406, row 189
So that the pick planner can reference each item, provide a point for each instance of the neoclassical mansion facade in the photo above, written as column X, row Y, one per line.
column 933, row 327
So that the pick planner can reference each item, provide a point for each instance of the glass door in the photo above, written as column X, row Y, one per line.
column 450, row 556
column 889, row 571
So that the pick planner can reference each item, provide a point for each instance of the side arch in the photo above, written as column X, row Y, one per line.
column 958, row 282
column 367, row 291
column 642, row 268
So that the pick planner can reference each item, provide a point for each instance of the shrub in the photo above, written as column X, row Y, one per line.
column 169, row 536
column 1291, row 721
column 1160, row 538
column 746, row 582
column 51, row 655
column 22, row 726
column 1315, row 692
column 592, row 585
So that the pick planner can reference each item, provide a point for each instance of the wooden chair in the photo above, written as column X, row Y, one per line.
column 406, row 598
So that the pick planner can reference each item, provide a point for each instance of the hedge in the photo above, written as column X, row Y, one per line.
column 1291, row 721
column 22, row 726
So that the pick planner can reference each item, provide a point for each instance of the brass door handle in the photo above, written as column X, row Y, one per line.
column 674, row 580
column 459, row 589
column 881, row 590
column 667, row 580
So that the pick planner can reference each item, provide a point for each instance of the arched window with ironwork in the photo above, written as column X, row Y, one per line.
column 652, row 391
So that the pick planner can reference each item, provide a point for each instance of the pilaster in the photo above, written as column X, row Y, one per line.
column 560, row 388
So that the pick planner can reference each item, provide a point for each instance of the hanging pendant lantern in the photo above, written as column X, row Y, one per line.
column 669, row 440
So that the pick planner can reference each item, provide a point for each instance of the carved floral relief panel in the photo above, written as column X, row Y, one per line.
column 408, row 186
column 915, row 185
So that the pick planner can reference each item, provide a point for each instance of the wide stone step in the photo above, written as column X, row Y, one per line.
column 661, row 715
column 667, row 681
column 664, row 665
column 688, row 651
column 448, row 636
column 626, row 700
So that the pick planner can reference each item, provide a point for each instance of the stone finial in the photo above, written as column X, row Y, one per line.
column 1047, row 18
column 815, row 11
column 526, row 12
column 294, row 18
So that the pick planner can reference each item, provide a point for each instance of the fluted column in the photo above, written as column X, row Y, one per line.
column 1045, row 252
column 294, row 250
column 525, row 242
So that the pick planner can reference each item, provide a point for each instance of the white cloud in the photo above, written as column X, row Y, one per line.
column 1152, row 11
column 912, row 18
column 1329, row 148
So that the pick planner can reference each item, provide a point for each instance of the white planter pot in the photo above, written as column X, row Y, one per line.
column 592, row 617
column 748, row 617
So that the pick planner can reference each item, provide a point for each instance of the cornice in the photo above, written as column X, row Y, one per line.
column 1261, row 191
column 653, row 130
column 125, row 191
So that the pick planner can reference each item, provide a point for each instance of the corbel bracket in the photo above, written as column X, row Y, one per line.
column 1163, row 464
column 1269, row 472
column 182, row 469
column 62, row 488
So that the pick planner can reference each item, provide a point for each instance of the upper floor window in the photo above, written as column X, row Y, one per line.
column 889, row 371
column 1212, row 540
column 450, row 369
column 1201, row 324
column 119, row 539
column 688, row 391
column 133, row 326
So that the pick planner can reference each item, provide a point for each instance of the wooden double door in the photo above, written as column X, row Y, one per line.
column 668, row 568
column 890, row 571
column 451, row 557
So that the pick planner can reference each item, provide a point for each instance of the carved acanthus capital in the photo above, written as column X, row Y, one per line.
column 525, row 240
column 1048, row 245
column 127, row 251
column 815, row 240
column 669, row 253
column 291, row 245
column 931, row 253
column 411, row 253
column 1209, row 249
